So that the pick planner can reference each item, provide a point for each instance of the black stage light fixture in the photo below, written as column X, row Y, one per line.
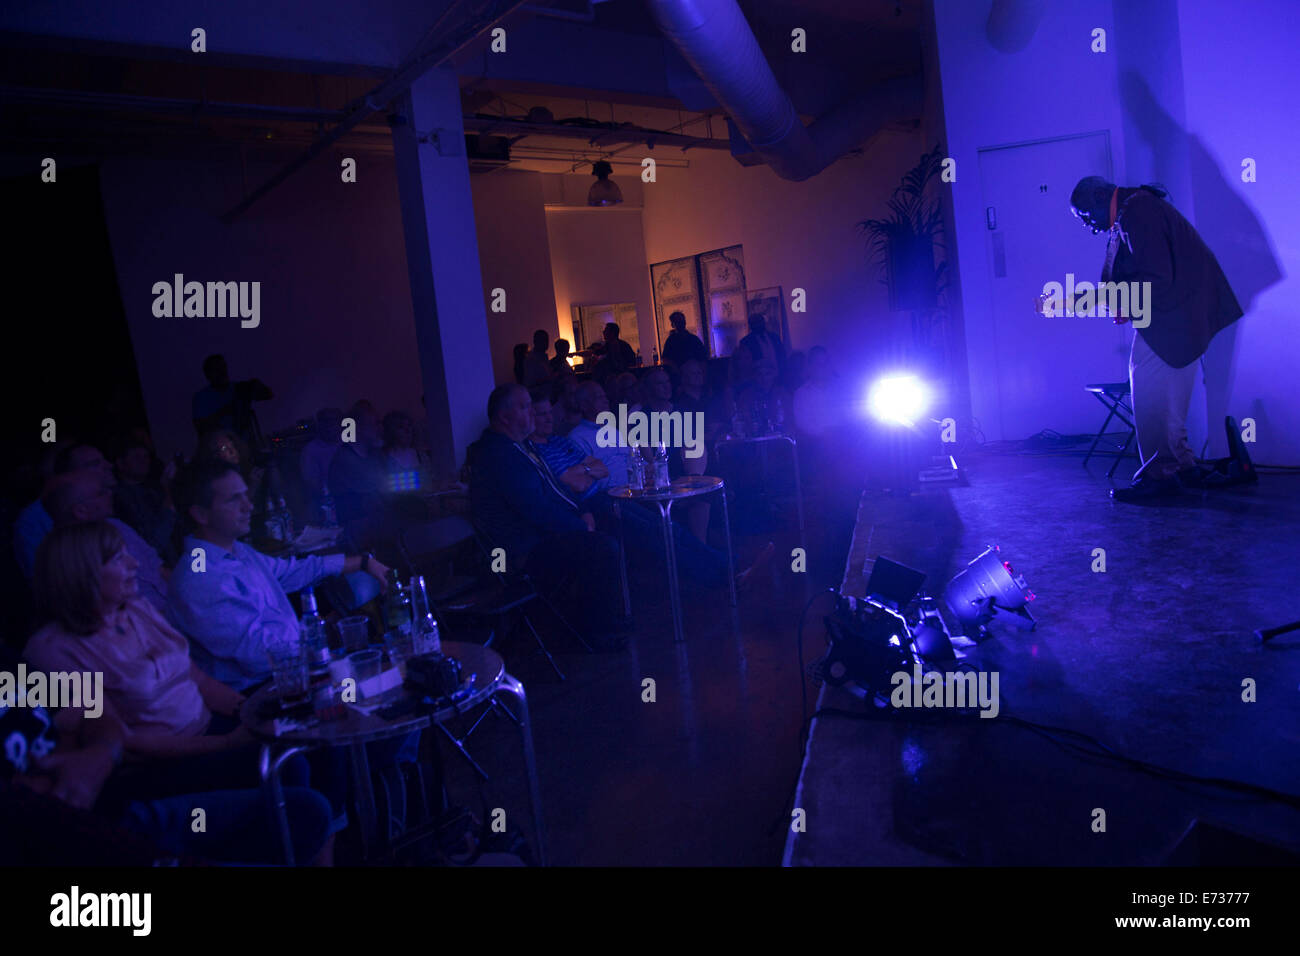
column 869, row 643
column 892, row 583
column 989, row 590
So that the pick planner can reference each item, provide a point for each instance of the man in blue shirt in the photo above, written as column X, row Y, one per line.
column 229, row 598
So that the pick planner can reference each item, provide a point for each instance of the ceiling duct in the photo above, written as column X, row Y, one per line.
column 715, row 39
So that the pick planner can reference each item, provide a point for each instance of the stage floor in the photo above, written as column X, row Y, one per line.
column 1149, row 657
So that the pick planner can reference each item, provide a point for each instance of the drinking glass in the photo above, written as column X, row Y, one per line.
column 366, row 664
column 400, row 646
column 354, row 632
column 289, row 670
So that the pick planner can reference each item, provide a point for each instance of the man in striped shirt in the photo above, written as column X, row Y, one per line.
column 582, row 475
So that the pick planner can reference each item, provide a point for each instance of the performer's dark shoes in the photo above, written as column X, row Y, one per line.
column 1194, row 477
column 1148, row 489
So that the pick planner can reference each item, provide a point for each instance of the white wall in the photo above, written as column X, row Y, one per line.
column 1053, row 86
column 336, row 321
column 598, row 257
column 513, row 255
column 796, row 235
column 1240, row 79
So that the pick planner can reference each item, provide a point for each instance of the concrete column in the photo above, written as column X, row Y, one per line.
column 442, row 259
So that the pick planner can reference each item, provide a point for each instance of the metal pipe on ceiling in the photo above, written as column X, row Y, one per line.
column 432, row 51
column 715, row 39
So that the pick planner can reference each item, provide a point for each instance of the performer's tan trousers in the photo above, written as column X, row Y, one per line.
column 1160, row 396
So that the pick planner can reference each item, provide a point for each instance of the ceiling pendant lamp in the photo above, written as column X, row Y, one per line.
column 603, row 192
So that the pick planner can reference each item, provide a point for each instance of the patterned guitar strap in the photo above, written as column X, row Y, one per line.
column 1117, row 234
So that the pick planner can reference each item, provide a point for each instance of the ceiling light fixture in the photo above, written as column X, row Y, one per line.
column 603, row 192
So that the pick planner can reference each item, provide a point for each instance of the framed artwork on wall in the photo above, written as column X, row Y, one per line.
column 676, row 288
column 722, row 278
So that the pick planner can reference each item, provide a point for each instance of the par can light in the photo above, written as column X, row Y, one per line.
column 988, row 585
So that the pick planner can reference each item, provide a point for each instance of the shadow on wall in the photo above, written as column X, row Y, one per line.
column 1225, row 221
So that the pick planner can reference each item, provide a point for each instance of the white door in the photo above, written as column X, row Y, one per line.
column 1042, row 364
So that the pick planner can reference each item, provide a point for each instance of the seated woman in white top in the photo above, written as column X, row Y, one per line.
column 86, row 587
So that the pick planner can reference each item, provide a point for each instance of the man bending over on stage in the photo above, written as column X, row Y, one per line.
column 1188, row 301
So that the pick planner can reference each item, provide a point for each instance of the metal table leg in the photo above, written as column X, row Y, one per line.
column 511, row 686
column 670, row 548
column 363, row 789
column 622, row 561
column 798, row 488
column 269, row 764
column 731, row 559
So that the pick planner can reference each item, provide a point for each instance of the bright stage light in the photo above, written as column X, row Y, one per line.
column 898, row 399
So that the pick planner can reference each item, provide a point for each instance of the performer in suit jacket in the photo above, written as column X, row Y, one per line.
column 1190, row 302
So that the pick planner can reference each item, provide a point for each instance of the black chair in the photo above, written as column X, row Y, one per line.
column 453, row 545
column 1115, row 396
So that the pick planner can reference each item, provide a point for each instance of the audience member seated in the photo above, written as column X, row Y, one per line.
column 560, row 364
column 624, row 389
column 683, row 346
column 537, row 366
column 593, row 401
column 86, row 586
column 581, row 475
column 85, row 496
column 54, row 812
column 34, row 522
column 567, row 412
column 173, row 718
column 237, row 602
column 143, row 502
column 314, row 463
column 222, row 444
column 693, row 396
column 524, row 510
column 764, row 404
column 358, row 481
column 619, row 356
column 399, row 442
column 762, row 345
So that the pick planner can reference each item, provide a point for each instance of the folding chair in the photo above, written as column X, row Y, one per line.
column 1115, row 396
column 499, row 597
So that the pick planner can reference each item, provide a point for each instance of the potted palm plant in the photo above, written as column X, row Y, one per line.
column 903, row 245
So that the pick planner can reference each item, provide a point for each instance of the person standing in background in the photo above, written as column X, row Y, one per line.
column 225, row 404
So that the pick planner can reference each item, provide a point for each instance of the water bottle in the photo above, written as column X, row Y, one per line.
column 661, row 479
column 328, row 515
column 286, row 519
column 635, row 469
column 778, row 418
column 654, row 357
column 273, row 523
column 397, row 606
column 424, row 628
column 312, row 629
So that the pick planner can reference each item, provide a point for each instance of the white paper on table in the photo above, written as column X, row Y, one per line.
column 313, row 538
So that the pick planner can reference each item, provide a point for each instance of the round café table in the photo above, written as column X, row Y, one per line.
column 687, row 486
column 355, row 729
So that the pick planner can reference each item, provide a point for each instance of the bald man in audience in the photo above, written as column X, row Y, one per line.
column 86, row 496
